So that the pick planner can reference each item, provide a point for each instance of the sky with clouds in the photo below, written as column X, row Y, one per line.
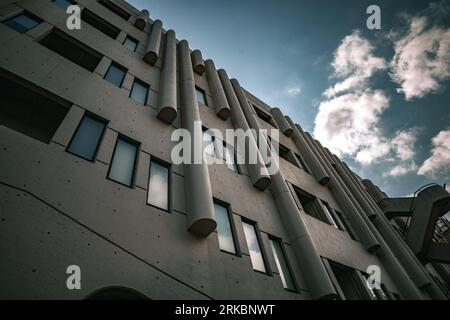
column 379, row 99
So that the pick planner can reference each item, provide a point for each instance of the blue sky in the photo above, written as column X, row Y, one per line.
column 377, row 98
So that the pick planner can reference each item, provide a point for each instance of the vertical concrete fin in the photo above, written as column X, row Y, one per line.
column 197, row 62
column 197, row 186
column 258, row 173
column 168, row 86
column 319, row 172
column 153, row 44
column 375, row 192
column 142, row 19
column 281, row 121
column 221, row 105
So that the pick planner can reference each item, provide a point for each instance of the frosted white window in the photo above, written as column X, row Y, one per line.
column 201, row 97
column 230, row 159
column 226, row 240
column 254, row 247
column 282, row 266
column 158, row 186
column 123, row 161
column 208, row 143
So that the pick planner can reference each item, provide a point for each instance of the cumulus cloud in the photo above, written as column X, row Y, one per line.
column 439, row 160
column 422, row 58
column 294, row 90
column 401, row 170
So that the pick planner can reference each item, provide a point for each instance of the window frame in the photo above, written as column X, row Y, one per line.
column 234, row 233
column 288, row 263
column 114, row 8
column 135, row 164
column 134, row 40
column 142, row 83
column 93, row 117
column 169, row 183
column 71, row 3
column 27, row 14
column 254, row 224
column 203, row 92
column 92, row 16
column 119, row 66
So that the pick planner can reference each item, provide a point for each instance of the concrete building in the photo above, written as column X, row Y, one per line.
column 86, row 178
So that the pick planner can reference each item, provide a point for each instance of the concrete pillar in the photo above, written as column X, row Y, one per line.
column 197, row 62
column 319, row 172
column 375, row 192
column 220, row 102
column 142, row 19
column 305, row 251
column 443, row 271
column 393, row 239
column 168, row 85
column 281, row 121
column 200, row 209
column 153, row 44
column 390, row 261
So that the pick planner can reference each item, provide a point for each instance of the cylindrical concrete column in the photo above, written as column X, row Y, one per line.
column 142, row 19
column 197, row 186
column 168, row 84
column 390, row 261
column 376, row 193
column 153, row 44
column 258, row 173
column 319, row 172
column 197, row 62
column 407, row 259
column 221, row 106
column 443, row 271
column 281, row 121
column 305, row 251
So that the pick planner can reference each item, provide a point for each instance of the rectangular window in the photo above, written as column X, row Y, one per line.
column 201, row 95
column 71, row 49
column 348, row 281
column 230, row 158
column 307, row 203
column 224, row 229
column 264, row 116
column 208, row 143
column 139, row 92
column 254, row 247
column 99, row 23
column 130, row 43
column 64, row 3
column 302, row 163
column 158, row 185
column 87, row 137
column 346, row 225
column 23, row 22
column 115, row 9
column 282, row 264
column 328, row 213
column 123, row 162
column 28, row 109
column 115, row 74
column 286, row 154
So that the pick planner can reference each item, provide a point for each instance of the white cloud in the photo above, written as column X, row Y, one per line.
column 401, row 170
column 439, row 160
column 422, row 59
column 403, row 144
column 294, row 90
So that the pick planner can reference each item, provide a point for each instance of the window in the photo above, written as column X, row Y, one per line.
column 254, row 247
column 302, row 163
column 209, row 147
column 224, row 229
column 286, row 154
column 307, row 203
column 115, row 8
column 208, row 143
column 346, row 225
column 99, row 23
column 23, row 22
column 28, row 109
column 123, row 162
column 71, row 49
column 87, row 137
column 230, row 158
column 116, row 74
column 329, row 214
column 64, row 3
column 201, row 96
column 349, row 284
column 282, row 264
column 264, row 116
column 158, row 185
column 139, row 92
column 130, row 43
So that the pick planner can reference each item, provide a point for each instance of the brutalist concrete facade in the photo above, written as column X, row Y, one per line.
column 58, row 209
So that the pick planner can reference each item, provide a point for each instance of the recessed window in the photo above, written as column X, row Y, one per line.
column 28, row 109
column 282, row 264
column 264, row 116
column 87, row 137
column 23, row 22
column 346, row 225
column 350, row 285
column 130, row 43
column 99, row 23
column 208, row 143
column 115, row 9
column 307, row 203
column 139, row 92
column 328, row 214
column 230, row 158
column 71, row 49
column 158, row 185
column 201, row 95
column 116, row 74
column 254, row 247
column 64, row 3
column 302, row 163
column 224, row 229
column 123, row 162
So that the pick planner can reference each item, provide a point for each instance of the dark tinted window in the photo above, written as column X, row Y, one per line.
column 116, row 74
column 23, row 22
column 115, row 8
column 71, row 49
column 139, row 92
column 99, row 23
column 87, row 137
column 64, row 3
column 130, row 43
